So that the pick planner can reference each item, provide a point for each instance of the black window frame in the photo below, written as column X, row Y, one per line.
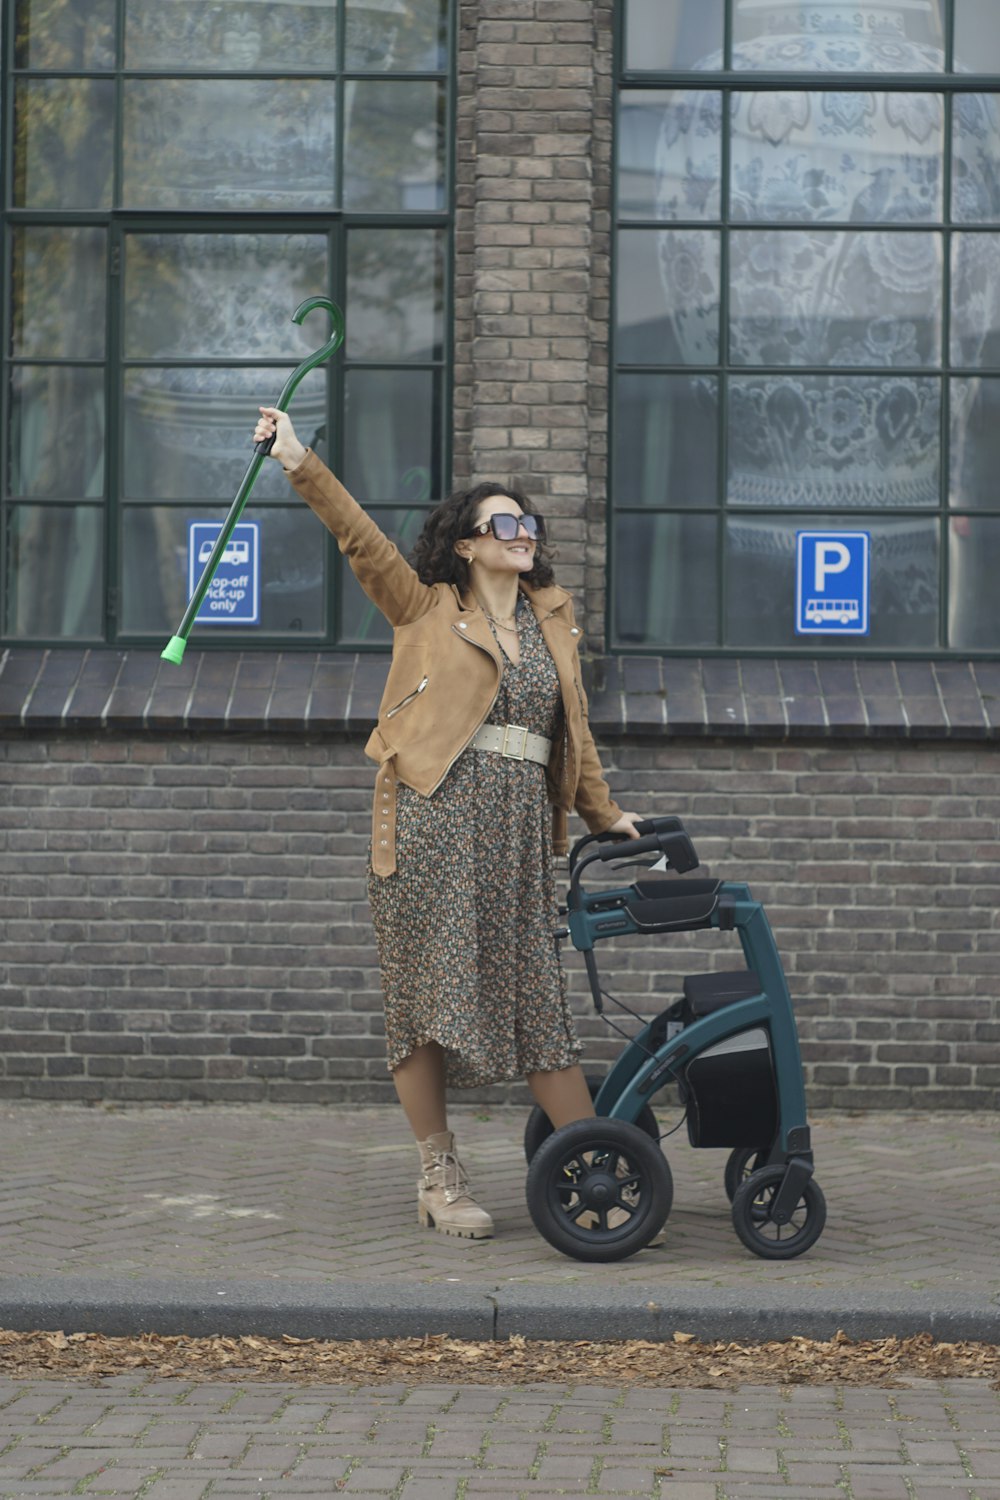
column 335, row 224
column 728, row 81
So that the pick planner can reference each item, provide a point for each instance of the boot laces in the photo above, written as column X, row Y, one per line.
column 448, row 1174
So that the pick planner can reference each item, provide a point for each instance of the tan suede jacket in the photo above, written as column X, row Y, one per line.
column 445, row 674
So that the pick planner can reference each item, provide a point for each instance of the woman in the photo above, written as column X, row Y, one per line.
column 482, row 737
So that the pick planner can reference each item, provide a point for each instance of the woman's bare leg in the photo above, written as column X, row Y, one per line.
column 419, row 1081
column 563, row 1095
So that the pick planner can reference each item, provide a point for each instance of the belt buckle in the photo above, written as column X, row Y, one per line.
column 514, row 754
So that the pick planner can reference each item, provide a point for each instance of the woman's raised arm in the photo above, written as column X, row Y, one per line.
column 377, row 563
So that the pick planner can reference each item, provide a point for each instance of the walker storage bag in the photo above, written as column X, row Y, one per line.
column 729, row 1089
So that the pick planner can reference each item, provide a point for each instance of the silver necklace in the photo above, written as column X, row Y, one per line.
column 494, row 621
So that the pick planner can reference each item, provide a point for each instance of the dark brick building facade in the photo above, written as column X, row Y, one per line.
column 184, row 898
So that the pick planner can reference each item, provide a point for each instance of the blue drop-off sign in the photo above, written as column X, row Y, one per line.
column 233, row 596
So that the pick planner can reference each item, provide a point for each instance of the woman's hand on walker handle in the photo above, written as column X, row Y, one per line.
column 287, row 449
column 626, row 825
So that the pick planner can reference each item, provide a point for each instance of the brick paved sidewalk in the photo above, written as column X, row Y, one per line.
column 174, row 1440
column 312, row 1201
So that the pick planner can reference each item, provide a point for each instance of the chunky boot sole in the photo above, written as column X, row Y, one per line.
column 458, row 1231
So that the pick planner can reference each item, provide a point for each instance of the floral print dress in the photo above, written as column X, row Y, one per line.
column 464, row 926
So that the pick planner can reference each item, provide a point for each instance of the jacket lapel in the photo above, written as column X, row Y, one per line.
column 473, row 626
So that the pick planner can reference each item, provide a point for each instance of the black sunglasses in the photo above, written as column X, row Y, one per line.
column 504, row 527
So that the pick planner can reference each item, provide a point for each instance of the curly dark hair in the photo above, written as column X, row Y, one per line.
column 434, row 556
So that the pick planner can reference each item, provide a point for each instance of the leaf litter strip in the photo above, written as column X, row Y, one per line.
column 682, row 1360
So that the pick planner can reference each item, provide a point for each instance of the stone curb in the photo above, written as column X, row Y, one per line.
column 197, row 1307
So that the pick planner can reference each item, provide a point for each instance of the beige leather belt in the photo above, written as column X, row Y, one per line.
column 513, row 741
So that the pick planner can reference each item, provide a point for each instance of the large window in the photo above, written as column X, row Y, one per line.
column 807, row 317
column 178, row 177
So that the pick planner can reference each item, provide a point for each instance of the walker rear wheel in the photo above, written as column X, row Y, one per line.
column 599, row 1190
column 539, row 1127
column 741, row 1164
column 758, row 1231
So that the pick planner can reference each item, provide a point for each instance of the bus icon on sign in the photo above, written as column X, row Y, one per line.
column 844, row 611
column 237, row 552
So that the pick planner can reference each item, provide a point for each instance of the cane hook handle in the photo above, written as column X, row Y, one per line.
column 332, row 344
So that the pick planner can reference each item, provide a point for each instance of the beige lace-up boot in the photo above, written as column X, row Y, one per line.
column 444, row 1201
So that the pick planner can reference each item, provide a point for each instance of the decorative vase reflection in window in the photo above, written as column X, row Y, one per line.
column 842, row 278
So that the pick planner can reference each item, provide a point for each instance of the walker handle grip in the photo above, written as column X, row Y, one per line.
column 628, row 847
column 668, row 839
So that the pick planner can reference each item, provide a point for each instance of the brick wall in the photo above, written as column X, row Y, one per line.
column 533, row 171
column 185, row 916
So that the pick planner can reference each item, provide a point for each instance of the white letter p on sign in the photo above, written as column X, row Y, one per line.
column 831, row 557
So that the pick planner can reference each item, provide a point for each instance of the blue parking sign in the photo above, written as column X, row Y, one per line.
column 832, row 582
column 233, row 596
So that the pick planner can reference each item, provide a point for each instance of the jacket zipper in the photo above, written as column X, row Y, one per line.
column 408, row 699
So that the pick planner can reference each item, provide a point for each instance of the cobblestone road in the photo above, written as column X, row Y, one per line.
column 178, row 1440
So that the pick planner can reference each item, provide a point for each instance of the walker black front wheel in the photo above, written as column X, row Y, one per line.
column 754, row 1225
column 539, row 1127
column 599, row 1190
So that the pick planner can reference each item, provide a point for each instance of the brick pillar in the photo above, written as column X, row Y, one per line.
column 531, row 282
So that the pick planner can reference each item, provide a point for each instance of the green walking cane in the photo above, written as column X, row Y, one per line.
column 174, row 649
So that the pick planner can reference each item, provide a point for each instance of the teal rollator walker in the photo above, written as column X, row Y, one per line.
column 601, row 1189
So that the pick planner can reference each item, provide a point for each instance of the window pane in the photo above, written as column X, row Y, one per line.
column 56, row 432
column 667, row 297
column 977, row 39
column 849, row 298
column 666, row 440
column 975, row 299
column 229, row 143
column 72, row 34
column 669, row 154
column 665, row 580
column 361, row 623
column 975, row 163
column 58, row 293
column 666, row 34
column 973, row 568
column 834, row 441
column 229, row 35
column 409, row 34
column 761, row 579
column 868, row 36
column 395, row 293
column 975, row 444
column 187, row 432
column 222, row 296
column 63, row 134
column 393, row 146
column 155, row 570
column 53, row 566
column 857, row 156
column 391, row 421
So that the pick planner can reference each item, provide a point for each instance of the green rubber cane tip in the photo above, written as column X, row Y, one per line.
column 174, row 650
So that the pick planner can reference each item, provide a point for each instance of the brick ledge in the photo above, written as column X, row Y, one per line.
column 295, row 693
